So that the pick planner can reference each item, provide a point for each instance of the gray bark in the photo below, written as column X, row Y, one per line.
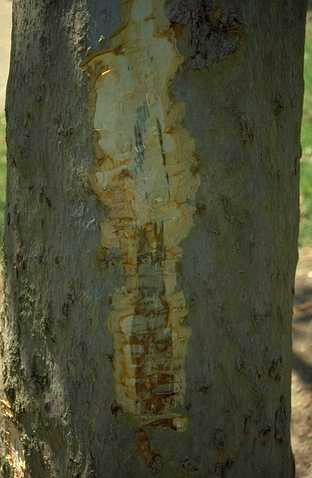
column 216, row 142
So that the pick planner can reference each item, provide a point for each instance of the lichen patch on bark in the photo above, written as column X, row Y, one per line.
column 144, row 177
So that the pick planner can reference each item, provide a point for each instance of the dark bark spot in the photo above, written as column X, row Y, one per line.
column 201, row 208
column 48, row 201
column 219, row 439
column 229, row 463
column 65, row 309
column 264, row 434
column 10, row 393
column 139, row 132
column 41, row 259
column 219, row 470
column 212, row 33
column 246, row 130
column 161, row 142
column 19, row 264
column 156, row 465
column 247, row 421
column 44, row 197
column 110, row 357
column 259, row 373
column 222, row 466
column 275, row 369
column 67, row 305
column 65, row 132
column 204, row 389
column 281, row 422
column 38, row 374
column 278, row 105
column 296, row 164
column 191, row 465
column 116, row 409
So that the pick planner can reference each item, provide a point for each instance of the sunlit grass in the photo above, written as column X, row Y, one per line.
column 307, row 107
column 306, row 138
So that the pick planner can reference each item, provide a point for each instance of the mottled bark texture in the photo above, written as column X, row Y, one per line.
column 151, row 238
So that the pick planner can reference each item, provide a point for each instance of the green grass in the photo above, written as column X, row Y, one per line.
column 2, row 174
column 306, row 204
column 306, row 137
column 305, row 237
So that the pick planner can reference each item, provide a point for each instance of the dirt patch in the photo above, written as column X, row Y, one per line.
column 302, row 367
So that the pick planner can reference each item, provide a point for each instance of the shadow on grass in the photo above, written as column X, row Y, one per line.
column 302, row 368
column 302, row 333
column 303, row 305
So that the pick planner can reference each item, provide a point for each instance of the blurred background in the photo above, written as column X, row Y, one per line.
column 302, row 323
column 5, row 33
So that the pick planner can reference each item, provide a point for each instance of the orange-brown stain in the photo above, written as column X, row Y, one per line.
column 144, row 176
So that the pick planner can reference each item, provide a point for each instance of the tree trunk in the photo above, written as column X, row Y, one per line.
column 151, row 238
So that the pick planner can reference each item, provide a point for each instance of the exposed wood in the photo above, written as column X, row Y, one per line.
column 151, row 236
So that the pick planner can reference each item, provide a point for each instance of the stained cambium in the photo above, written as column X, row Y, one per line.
column 144, row 177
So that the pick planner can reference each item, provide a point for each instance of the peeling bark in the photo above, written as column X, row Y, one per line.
column 151, row 232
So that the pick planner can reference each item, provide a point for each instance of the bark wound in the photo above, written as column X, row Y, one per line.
column 144, row 177
column 212, row 34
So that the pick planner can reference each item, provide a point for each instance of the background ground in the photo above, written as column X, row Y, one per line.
column 302, row 325
column 302, row 367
